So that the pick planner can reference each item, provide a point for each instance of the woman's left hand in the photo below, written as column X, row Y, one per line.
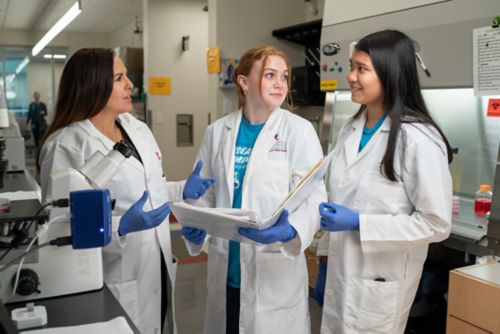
column 196, row 186
column 281, row 231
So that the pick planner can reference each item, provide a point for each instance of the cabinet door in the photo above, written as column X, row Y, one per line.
column 457, row 326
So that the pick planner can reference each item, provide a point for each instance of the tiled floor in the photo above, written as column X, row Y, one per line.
column 190, row 293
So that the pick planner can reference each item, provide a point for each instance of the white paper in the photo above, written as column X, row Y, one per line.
column 225, row 222
column 486, row 61
column 117, row 325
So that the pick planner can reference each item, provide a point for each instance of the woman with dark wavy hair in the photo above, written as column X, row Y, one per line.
column 92, row 114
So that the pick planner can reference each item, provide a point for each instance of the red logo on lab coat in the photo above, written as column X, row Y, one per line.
column 279, row 145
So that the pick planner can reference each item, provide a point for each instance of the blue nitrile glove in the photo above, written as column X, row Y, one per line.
column 281, row 231
column 195, row 185
column 319, row 289
column 335, row 218
column 194, row 235
column 136, row 219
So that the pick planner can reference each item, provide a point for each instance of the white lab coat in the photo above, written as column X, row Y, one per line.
column 274, row 279
column 131, row 263
column 397, row 222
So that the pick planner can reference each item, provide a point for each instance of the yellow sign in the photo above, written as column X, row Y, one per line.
column 327, row 85
column 159, row 85
column 213, row 60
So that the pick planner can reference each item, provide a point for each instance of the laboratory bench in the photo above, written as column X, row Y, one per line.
column 468, row 232
column 70, row 310
column 79, row 309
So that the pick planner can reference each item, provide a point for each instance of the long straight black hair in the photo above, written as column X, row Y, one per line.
column 84, row 90
column 393, row 57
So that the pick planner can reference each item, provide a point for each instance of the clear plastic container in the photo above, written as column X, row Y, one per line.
column 482, row 200
column 4, row 205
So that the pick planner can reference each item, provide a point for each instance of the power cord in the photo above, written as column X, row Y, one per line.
column 22, row 234
column 58, row 203
column 61, row 241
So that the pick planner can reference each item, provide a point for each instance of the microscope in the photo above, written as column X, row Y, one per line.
column 85, row 221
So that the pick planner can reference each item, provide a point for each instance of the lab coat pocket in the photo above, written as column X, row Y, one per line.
column 280, row 281
column 126, row 293
column 371, row 306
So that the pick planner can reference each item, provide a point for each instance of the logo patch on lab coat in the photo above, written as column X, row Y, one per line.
column 279, row 145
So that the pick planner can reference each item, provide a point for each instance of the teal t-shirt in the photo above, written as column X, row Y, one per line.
column 369, row 132
column 247, row 135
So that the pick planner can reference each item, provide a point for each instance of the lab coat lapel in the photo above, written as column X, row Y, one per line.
column 351, row 146
column 92, row 131
column 137, row 136
column 227, row 148
column 264, row 142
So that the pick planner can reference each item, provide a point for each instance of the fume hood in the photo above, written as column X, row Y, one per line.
column 444, row 33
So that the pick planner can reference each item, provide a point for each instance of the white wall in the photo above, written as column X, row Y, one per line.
column 125, row 36
column 238, row 25
column 165, row 24
column 319, row 5
column 235, row 26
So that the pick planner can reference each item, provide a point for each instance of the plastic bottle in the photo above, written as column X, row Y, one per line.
column 482, row 200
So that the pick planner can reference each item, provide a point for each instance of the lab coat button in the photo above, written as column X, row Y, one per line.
column 156, row 331
column 156, row 291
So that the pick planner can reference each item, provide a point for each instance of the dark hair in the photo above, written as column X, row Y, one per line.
column 393, row 57
column 246, row 63
column 84, row 90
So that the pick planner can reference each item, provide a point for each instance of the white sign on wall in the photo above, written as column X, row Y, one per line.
column 486, row 61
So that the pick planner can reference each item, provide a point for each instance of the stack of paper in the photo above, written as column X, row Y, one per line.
column 225, row 222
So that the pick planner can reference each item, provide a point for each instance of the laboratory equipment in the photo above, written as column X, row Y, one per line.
column 494, row 220
column 4, row 205
column 12, row 157
column 55, row 271
column 455, row 205
column 4, row 122
column 482, row 200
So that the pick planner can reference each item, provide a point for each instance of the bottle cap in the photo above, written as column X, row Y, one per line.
column 484, row 187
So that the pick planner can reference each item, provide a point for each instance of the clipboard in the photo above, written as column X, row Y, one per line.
column 225, row 222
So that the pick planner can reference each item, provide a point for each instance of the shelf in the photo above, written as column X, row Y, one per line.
column 308, row 33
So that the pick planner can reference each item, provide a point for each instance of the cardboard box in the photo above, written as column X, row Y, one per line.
column 312, row 266
column 474, row 299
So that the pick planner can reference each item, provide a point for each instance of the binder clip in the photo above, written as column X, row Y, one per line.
column 496, row 22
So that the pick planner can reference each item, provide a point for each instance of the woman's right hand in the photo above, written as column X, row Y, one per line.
column 136, row 219
column 336, row 218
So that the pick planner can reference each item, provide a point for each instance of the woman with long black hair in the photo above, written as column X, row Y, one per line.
column 390, row 192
